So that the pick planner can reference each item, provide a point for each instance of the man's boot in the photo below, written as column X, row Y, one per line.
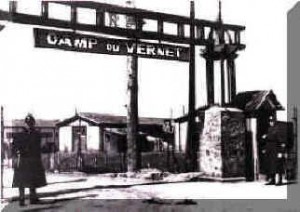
column 280, row 180
column 33, row 196
column 272, row 180
column 22, row 196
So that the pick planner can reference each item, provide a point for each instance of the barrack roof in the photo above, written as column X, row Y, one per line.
column 109, row 119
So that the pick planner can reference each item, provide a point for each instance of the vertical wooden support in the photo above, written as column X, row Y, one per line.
column 53, row 151
column 13, row 7
column 210, row 81
column 211, row 35
column 133, row 155
column 179, row 130
column 191, row 141
column 2, row 150
column 180, row 30
column 179, row 137
column 168, row 153
column 210, row 87
column 79, row 150
column 237, row 37
column 100, row 18
column 45, row 10
column 139, row 24
column 231, row 70
column 200, row 33
column 222, row 82
column 73, row 15
column 228, row 88
column 160, row 27
column 101, row 139
column 132, row 113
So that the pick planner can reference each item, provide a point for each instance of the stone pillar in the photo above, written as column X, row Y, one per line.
column 222, row 144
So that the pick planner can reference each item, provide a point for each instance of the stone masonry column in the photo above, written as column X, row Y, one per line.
column 222, row 144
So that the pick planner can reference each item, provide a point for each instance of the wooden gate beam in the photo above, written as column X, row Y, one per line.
column 203, row 27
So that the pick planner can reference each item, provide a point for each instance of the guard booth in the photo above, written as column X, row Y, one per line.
column 258, row 107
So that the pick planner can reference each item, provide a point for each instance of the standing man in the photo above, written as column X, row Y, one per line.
column 28, row 168
column 281, row 163
column 274, row 154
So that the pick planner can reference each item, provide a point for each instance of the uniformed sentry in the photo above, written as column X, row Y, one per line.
column 28, row 168
column 275, row 155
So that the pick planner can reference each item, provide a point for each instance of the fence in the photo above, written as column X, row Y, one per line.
column 112, row 163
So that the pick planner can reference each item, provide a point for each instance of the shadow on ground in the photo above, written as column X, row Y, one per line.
column 44, row 205
column 75, row 190
column 77, row 204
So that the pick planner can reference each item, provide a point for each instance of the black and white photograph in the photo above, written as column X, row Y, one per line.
column 135, row 105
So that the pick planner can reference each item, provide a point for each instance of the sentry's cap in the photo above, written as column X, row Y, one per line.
column 29, row 119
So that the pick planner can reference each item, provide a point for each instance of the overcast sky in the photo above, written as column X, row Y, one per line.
column 53, row 83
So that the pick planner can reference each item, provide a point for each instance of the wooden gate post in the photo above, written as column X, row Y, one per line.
column 191, row 141
column 133, row 155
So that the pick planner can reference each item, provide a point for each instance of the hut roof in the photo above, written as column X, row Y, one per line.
column 251, row 101
column 109, row 119
column 248, row 101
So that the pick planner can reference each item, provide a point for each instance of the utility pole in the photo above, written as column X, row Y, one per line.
column 191, row 152
column 133, row 158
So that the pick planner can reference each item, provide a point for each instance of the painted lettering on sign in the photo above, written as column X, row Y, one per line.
column 81, row 43
column 92, row 44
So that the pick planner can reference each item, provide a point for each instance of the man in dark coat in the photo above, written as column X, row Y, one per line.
column 28, row 168
column 274, row 154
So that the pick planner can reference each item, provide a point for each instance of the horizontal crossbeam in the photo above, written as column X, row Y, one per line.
column 203, row 28
column 144, row 13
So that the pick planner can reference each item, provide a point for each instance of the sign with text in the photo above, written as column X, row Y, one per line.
column 72, row 41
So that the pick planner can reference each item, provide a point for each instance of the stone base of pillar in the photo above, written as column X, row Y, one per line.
column 222, row 144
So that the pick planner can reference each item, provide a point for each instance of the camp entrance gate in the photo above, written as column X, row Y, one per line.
column 201, row 32
column 95, row 44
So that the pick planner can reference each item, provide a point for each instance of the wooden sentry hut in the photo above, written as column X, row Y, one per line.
column 258, row 107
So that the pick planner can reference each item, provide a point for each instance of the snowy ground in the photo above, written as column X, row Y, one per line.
column 65, row 187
